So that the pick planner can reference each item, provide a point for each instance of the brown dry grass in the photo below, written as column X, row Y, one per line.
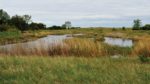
column 70, row 47
column 142, row 47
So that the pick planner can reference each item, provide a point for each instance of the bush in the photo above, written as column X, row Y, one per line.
column 123, row 28
column 114, row 29
column 7, row 28
column 37, row 26
column 146, row 27
column 56, row 28
column 3, row 28
column 144, row 59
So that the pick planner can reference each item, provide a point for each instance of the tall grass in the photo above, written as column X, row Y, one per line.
column 72, row 70
column 111, row 50
column 70, row 47
column 84, row 47
column 142, row 48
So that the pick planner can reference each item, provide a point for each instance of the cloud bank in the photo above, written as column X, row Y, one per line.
column 84, row 13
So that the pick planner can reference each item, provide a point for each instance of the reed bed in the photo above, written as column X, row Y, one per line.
column 142, row 48
column 79, row 47
column 84, row 47
column 111, row 50
column 70, row 47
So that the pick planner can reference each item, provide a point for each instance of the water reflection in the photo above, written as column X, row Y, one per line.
column 119, row 42
column 44, row 42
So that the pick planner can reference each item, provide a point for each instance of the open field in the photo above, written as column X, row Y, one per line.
column 74, row 42
column 79, row 60
column 73, row 70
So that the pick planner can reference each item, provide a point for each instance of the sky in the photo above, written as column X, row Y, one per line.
column 83, row 13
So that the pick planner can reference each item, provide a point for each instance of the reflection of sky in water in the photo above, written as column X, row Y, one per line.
column 119, row 42
column 43, row 42
column 51, row 40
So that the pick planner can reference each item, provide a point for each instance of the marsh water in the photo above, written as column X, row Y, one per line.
column 119, row 42
column 44, row 42
column 58, row 39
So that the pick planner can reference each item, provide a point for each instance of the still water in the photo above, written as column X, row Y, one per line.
column 119, row 42
column 58, row 39
column 44, row 42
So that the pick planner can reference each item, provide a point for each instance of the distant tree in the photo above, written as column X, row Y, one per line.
column 55, row 27
column 33, row 26
column 137, row 24
column 19, row 22
column 64, row 26
column 123, row 28
column 41, row 26
column 37, row 26
column 27, row 18
column 114, row 29
column 146, row 27
column 4, row 17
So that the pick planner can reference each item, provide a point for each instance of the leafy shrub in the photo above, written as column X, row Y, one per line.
column 114, row 29
column 5, row 27
column 144, row 59
column 146, row 27
column 123, row 28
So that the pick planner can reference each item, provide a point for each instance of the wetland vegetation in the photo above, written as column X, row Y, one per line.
column 32, row 53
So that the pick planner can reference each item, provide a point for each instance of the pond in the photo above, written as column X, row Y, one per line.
column 44, row 42
column 58, row 39
column 119, row 42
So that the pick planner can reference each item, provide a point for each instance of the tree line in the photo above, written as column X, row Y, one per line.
column 138, row 25
column 24, row 23
column 21, row 23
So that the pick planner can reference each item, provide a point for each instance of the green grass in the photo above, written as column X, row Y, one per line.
column 76, row 70
column 12, row 35
column 117, row 50
column 16, row 34
column 73, row 70
column 9, row 37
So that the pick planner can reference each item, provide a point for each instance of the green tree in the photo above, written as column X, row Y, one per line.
column 37, row 26
column 64, row 26
column 27, row 18
column 123, row 28
column 4, row 17
column 55, row 27
column 19, row 22
column 137, row 24
column 146, row 27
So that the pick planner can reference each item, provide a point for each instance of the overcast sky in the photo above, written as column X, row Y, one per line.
column 83, row 13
